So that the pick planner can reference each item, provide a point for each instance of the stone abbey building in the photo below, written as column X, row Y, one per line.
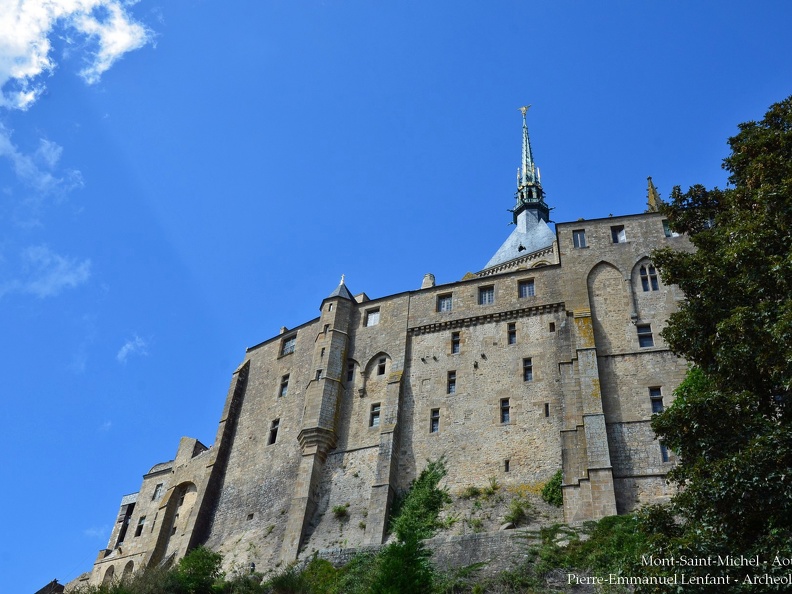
column 549, row 358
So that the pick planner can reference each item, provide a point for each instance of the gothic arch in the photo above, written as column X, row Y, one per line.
column 645, row 276
column 610, row 307
column 108, row 576
column 128, row 569
column 374, row 368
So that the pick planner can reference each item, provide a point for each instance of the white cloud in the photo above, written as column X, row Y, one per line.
column 45, row 273
column 101, row 532
column 133, row 346
column 26, row 50
column 36, row 170
column 106, row 426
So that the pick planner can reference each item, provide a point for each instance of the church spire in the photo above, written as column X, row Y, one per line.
column 652, row 197
column 530, row 195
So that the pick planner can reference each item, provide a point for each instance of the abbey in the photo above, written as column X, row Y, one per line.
column 548, row 358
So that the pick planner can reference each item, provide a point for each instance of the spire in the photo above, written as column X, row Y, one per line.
column 341, row 291
column 653, row 198
column 529, row 186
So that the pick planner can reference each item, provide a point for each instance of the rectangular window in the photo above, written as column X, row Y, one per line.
column 486, row 295
column 454, row 343
column 504, row 410
column 321, row 354
column 648, row 274
column 157, row 492
column 451, row 387
column 372, row 317
column 319, row 374
column 444, row 303
column 618, row 235
column 374, row 418
column 434, row 421
column 664, row 452
column 511, row 333
column 506, row 465
column 284, row 387
column 381, row 366
column 326, row 328
column 527, row 370
column 350, row 371
column 140, row 524
column 273, row 434
column 547, row 409
column 287, row 346
column 526, row 288
column 656, row 398
column 667, row 229
column 552, row 326
column 579, row 238
column 645, row 335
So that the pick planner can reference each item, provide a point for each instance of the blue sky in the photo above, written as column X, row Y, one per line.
column 180, row 179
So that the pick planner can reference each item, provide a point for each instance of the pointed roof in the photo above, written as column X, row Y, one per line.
column 341, row 291
column 652, row 196
column 530, row 194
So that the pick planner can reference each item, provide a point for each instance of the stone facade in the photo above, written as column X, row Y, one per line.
column 549, row 358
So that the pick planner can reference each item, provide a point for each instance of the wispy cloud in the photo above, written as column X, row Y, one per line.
column 44, row 273
column 94, row 532
column 26, row 27
column 133, row 346
column 106, row 426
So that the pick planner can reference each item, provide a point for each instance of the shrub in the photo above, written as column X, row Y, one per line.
column 551, row 493
column 518, row 511
column 341, row 511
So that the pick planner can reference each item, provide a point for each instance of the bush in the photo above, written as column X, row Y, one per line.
column 198, row 570
column 341, row 511
column 551, row 493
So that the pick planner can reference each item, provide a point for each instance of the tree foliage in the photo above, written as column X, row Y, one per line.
column 731, row 421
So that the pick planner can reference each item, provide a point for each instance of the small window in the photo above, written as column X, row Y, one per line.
column 157, row 492
column 321, row 354
column 381, row 366
column 667, row 229
column 579, row 238
column 326, row 328
column 552, row 326
column 350, row 371
column 618, row 235
column 287, row 346
column 504, row 410
column 140, row 524
column 645, row 335
column 648, row 275
column 319, row 374
column 664, row 452
column 372, row 317
column 445, row 303
column 451, row 386
column 486, row 295
column 506, row 465
column 284, row 387
column 547, row 409
column 273, row 434
column 330, row 307
column 454, row 343
column 434, row 421
column 527, row 370
column 374, row 418
column 511, row 333
column 526, row 288
column 656, row 398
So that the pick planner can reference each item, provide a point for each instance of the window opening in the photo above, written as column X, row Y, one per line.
column 451, row 388
column 527, row 370
column 319, row 374
column 504, row 410
column 381, row 366
column 454, row 343
column 645, row 335
column 649, row 278
column 664, row 452
column 656, row 398
column 374, row 419
column 506, row 465
column 511, row 333
column 288, row 345
column 157, row 492
column 434, row 421
column 140, row 524
column 547, row 409
column 552, row 326
column 350, row 371
column 526, row 288
column 618, row 234
column 284, row 387
column 326, row 328
column 667, row 229
column 372, row 317
column 321, row 354
column 486, row 295
column 273, row 434
column 445, row 303
column 579, row 238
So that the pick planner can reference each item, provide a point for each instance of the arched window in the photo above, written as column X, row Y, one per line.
column 108, row 576
column 649, row 278
column 128, row 570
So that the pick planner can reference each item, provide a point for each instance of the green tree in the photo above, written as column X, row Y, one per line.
column 198, row 571
column 731, row 422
